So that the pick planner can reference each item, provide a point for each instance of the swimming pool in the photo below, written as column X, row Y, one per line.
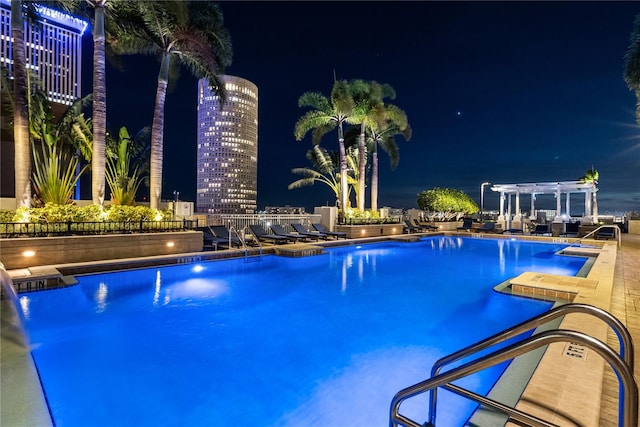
column 317, row 341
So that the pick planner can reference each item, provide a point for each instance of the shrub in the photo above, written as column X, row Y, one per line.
column 53, row 213
column 6, row 215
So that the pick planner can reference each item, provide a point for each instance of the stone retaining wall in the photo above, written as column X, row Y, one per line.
column 73, row 249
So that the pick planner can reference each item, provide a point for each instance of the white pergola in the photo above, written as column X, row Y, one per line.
column 556, row 188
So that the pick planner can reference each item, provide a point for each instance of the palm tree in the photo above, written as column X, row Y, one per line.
column 368, row 113
column 326, row 115
column 591, row 176
column 99, row 113
column 632, row 64
column 384, row 135
column 22, row 160
column 191, row 32
column 324, row 170
column 94, row 10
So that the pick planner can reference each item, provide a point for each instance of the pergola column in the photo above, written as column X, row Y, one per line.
column 568, row 205
column 517, row 218
column 502, row 206
column 532, row 214
column 509, row 211
column 558, row 218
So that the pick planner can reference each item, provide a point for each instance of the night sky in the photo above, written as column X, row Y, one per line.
column 504, row 92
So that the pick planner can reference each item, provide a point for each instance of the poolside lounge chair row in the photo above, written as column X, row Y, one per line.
column 416, row 227
column 220, row 236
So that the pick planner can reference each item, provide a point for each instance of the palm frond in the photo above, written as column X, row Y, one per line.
column 314, row 100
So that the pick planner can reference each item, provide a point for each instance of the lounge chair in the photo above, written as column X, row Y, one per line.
column 210, row 240
column 487, row 227
column 571, row 229
column 278, row 230
column 300, row 229
column 223, row 232
column 606, row 233
column 322, row 229
column 425, row 227
column 263, row 235
column 467, row 223
column 513, row 231
column 541, row 230
column 407, row 227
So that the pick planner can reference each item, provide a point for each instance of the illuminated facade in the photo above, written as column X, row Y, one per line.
column 54, row 54
column 227, row 175
column 53, row 48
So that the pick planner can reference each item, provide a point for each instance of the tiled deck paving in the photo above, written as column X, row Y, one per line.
column 625, row 305
column 553, row 388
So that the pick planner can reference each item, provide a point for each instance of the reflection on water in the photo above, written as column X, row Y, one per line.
column 24, row 305
column 101, row 295
column 156, row 293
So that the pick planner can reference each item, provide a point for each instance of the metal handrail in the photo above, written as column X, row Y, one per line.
column 246, row 230
column 624, row 338
column 628, row 388
column 616, row 234
column 232, row 230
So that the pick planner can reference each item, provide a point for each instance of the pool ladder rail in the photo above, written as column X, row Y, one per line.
column 242, row 237
column 622, row 365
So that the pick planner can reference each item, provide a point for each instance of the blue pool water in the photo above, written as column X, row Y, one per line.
column 317, row 341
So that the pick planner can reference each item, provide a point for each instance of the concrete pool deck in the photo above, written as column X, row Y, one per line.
column 565, row 396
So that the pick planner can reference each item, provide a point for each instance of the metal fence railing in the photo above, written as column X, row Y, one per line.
column 36, row 229
column 240, row 222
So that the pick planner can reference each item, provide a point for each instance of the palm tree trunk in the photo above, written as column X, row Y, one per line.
column 99, row 108
column 343, row 171
column 361, row 168
column 374, row 182
column 157, row 135
column 22, row 159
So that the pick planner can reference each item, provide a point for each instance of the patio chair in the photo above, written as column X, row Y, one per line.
column 264, row 236
column 278, row 230
column 407, row 227
column 322, row 229
column 210, row 240
column 467, row 223
column 425, row 227
column 571, row 229
column 223, row 232
column 300, row 229
column 541, row 230
column 487, row 227
column 606, row 233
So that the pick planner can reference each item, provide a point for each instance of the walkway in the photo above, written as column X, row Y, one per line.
column 625, row 305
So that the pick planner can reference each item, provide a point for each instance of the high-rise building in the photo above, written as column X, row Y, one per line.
column 227, row 175
column 53, row 47
column 54, row 54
